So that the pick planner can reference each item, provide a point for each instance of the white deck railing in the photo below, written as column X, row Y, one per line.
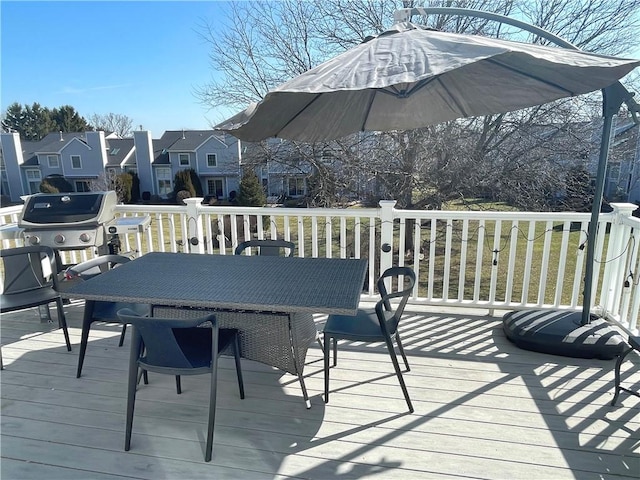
column 494, row 260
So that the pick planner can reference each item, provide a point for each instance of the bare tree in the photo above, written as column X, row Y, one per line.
column 518, row 157
column 112, row 122
column 108, row 181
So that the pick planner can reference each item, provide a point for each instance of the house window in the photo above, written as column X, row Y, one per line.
column 215, row 187
column 82, row 186
column 212, row 160
column 163, row 176
column 53, row 161
column 34, row 178
column 183, row 159
column 296, row 186
column 76, row 162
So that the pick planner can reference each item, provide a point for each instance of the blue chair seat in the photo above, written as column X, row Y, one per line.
column 364, row 326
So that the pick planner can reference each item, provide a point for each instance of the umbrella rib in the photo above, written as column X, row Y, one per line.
column 316, row 96
column 366, row 115
column 528, row 75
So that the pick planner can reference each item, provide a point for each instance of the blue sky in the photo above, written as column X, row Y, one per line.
column 141, row 59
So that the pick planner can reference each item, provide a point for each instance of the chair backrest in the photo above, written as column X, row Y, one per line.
column 172, row 345
column 268, row 247
column 406, row 280
column 28, row 268
column 95, row 266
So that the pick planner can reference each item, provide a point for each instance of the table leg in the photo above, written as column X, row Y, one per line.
column 298, row 367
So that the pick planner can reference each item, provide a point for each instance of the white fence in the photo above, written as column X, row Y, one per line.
column 494, row 260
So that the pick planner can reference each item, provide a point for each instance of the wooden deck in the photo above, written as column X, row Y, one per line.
column 484, row 409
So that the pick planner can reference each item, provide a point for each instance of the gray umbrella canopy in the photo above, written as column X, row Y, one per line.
column 410, row 77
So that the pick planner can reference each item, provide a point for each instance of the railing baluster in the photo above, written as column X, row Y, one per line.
column 513, row 258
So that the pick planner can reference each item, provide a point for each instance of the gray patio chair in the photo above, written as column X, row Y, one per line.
column 373, row 325
column 634, row 344
column 270, row 247
column 267, row 247
column 101, row 311
column 27, row 284
column 177, row 347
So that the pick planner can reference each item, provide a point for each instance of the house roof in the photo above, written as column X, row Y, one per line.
column 54, row 142
column 117, row 150
column 51, row 143
column 184, row 141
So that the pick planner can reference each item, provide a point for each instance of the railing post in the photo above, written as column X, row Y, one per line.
column 194, row 225
column 616, row 258
column 386, row 233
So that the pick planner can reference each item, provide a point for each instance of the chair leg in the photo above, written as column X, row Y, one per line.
column 62, row 322
column 236, row 355
column 136, row 348
column 212, row 396
column 122, row 334
column 396, row 366
column 617, row 381
column 401, row 348
column 178, row 385
column 327, row 342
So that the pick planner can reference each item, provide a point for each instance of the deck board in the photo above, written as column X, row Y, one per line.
column 484, row 409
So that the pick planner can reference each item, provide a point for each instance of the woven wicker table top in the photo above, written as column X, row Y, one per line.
column 239, row 282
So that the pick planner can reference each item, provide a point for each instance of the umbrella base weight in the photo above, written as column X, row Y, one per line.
column 561, row 333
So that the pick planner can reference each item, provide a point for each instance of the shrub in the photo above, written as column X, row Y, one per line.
column 55, row 184
column 125, row 182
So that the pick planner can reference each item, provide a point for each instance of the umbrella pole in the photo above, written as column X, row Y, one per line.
column 613, row 96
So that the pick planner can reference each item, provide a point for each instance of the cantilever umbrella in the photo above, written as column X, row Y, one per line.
column 410, row 77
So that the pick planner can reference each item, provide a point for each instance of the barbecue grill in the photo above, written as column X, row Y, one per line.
column 68, row 221
column 75, row 221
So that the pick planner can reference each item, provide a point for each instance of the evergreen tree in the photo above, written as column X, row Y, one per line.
column 68, row 120
column 135, row 187
column 251, row 192
column 34, row 122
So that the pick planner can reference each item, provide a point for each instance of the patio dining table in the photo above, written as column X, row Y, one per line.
column 270, row 300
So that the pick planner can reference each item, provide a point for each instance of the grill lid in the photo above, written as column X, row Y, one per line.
column 68, row 208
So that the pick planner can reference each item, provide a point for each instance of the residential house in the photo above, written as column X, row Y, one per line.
column 82, row 158
column 213, row 155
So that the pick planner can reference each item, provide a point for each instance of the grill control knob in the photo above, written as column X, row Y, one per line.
column 33, row 240
column 59, row 239
column 85, row 237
